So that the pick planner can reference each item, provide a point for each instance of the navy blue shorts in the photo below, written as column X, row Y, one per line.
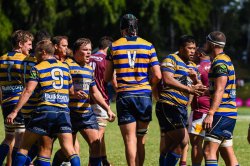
column 171, row 117
column 133, row 107
column 50, row 120
column 222, row 128
column 82, row 121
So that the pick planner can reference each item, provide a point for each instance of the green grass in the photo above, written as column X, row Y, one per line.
column 115, row 147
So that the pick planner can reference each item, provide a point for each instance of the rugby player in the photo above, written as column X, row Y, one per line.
column 132, row 58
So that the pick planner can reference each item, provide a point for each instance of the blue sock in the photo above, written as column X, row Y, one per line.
column 172, row 159
column 42, row 161
column 211, row 163
column 162, row 160
column 14, row 152
column 4, row 149
column 95, row 161
column 33, row 152
column 19, row 159
column 74, row 160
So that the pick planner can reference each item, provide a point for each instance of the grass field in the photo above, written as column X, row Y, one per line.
column 115, row 147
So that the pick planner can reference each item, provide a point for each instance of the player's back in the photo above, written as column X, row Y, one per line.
column 132, row 58
column 54, row 82
column 11, row 76
column 228, row 104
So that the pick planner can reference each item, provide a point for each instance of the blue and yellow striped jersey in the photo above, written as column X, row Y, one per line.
column 132, row 58
column 83, row 79
column 223, row 66
column 174, row 64
column 11, row 77
column 28, row 107
column 54, row 81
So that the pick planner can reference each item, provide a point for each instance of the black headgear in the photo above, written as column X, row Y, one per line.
column 129, row 21
column 214, row 38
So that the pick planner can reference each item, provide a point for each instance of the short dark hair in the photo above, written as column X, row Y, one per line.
column 41, row 35
column 45, row 45
column 58, row 39
column 217, row 38
column 20, row 36
column 105, row 42
column 186, row 39
column 79, row 42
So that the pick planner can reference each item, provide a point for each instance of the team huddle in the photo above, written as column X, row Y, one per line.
column 53, row 93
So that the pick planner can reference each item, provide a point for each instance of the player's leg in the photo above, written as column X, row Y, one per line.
column 66, row 143
column 196, row 142
column 9, row 156
column 128, row 132
column 91, row 136
column 29, row 139
column 101, row 116
column 183, row 159
column 142, row 129
column 9, row 135
column 227, row 152
column 196, row 134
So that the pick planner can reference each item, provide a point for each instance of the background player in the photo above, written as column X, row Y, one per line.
column 98, row 63
column 11, row 82
column 132, row 58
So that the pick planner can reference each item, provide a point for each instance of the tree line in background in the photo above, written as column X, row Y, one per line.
column 160, row 21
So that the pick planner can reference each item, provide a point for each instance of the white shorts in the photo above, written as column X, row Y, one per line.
column 195, row 126
column 223, row 143
column 101, row 115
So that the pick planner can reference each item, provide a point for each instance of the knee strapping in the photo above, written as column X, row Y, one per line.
column 141, row 132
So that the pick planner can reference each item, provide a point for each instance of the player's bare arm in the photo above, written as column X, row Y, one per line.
column 97, row 96
column 220, row 84
column 169, row 79
column 108, row 71
column 27, row 92
column 156, row 75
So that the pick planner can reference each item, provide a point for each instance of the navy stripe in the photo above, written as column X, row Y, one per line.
column 126, row 47
column 228, row 99
column 221, row 61
column 51, row 87
column 132, row 74
column 227, row 106
column 181, row 72
column 137, row 65
column 136, row 91
column 49, row 78
column 80, row 108
column 48, row 70
column 80, row 68
column 81, row 76
column 177, row 95
column 226, row 113
column 29, row 107
column 154, row 63
column 16, row 62
column 133, row 82
column 125, row 56
column 167, row 69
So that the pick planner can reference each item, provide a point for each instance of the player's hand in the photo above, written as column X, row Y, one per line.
column 111, row 116
column 207, row 122
column 81, row 94
column 198, row 89
column 192, row 74
column 10, row 118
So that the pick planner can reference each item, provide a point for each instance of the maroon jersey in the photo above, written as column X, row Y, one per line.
column 98, row 63
column 202, row 103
